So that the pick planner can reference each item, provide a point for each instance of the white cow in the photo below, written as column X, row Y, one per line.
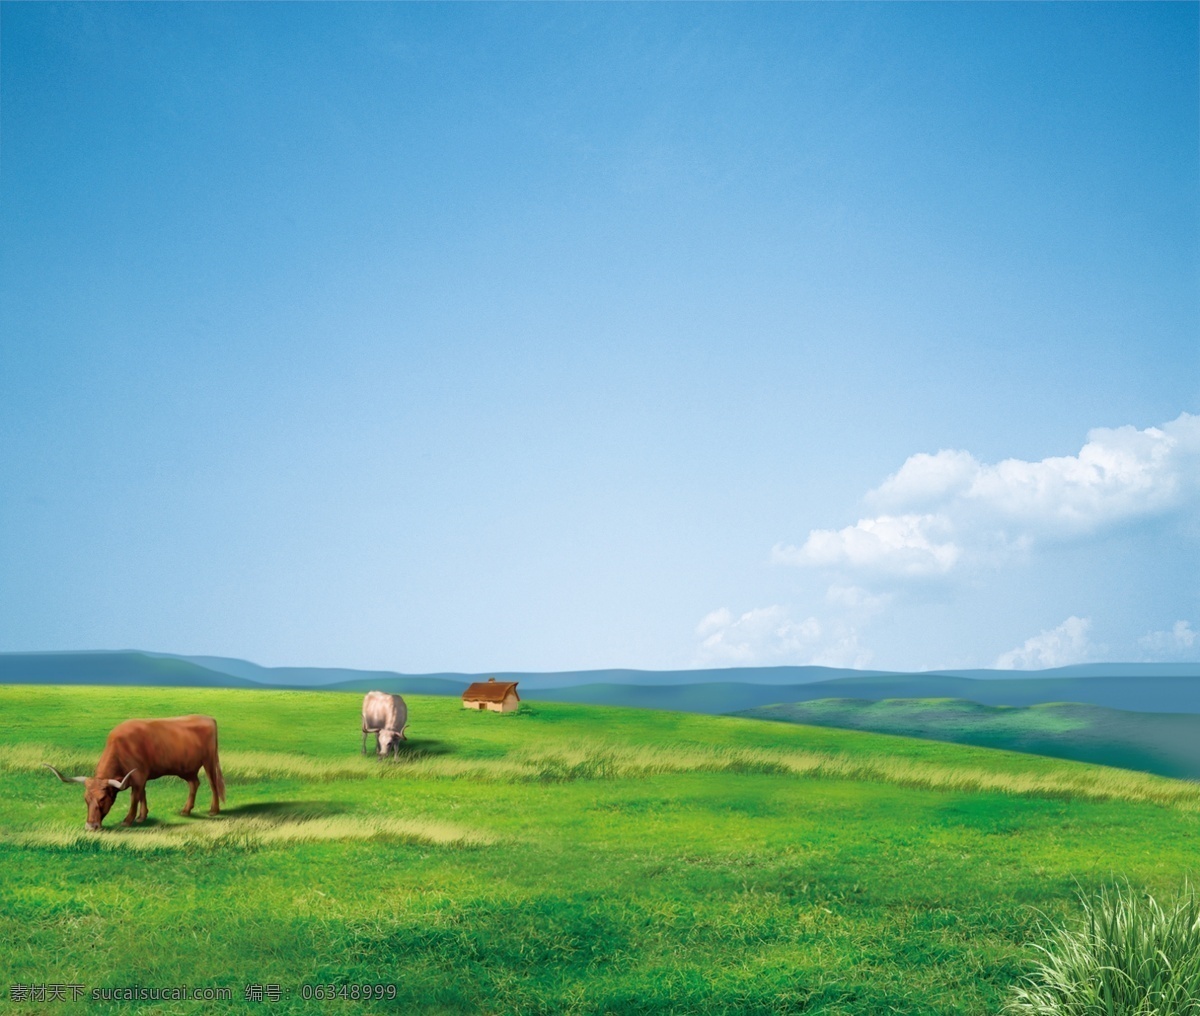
column 386, row 716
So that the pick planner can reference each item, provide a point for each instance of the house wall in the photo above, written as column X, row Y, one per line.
column 510, row 704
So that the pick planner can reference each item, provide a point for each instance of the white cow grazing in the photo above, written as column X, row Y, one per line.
column 386, row 716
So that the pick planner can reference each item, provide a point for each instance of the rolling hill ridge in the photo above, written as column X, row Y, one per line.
column 1139, row 687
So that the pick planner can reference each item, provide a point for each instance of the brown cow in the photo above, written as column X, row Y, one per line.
column 138, row 751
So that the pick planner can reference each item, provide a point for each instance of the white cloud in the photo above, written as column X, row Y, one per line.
column 897, row 544
column 770, row 635
column 842, row 650
column 925, row 480
column 714, row 622
column 944, row 511
column 1181, row 642
column 1119, row 473
column 1058, row 647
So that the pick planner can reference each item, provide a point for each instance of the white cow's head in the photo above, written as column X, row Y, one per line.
column 389, row 740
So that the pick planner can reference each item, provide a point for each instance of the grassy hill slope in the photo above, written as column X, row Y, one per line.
column 1163, row 743
column 565, row 859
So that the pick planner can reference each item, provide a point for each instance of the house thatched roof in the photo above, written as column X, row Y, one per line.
column 490, row 690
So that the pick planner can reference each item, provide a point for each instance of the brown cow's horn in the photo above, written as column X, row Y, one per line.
column 121, row 784
column 65, row 779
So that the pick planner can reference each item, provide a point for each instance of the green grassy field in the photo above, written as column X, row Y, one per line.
column 569, row 859
column 1164, row 743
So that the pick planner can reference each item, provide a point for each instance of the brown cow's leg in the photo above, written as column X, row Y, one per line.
column 143, row 806
column 212, row 785
column 133, row 802
column 193, row 783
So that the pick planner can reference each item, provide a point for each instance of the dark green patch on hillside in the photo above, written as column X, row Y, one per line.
column 1164, row 743
column 1167, row 694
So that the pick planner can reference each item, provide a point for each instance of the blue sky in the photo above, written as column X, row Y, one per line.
column 470, row 337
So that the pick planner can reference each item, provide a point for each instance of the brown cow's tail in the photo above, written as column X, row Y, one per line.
column 218, row 779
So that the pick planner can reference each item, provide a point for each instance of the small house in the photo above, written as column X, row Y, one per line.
column 498, row 696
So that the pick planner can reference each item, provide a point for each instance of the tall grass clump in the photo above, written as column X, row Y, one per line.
column 1128, row 956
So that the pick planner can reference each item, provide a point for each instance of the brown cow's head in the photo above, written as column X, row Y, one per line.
column 98, row 794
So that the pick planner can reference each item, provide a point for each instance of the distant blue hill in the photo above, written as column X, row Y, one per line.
column 327, row 676
column 323, row 676
column 124, row 668
column 132, row 667
column 1144, row 687
column 1079, row 670
column 310, row 677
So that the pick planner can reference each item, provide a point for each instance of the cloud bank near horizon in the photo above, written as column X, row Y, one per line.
column 947, row 512
column 773, row 635
column 947, row 515
column 1057, row 647
column 1180, row 642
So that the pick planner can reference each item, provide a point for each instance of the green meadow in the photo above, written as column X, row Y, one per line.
column 565, row 859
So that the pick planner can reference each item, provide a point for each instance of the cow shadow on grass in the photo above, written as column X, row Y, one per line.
column 281, row 810
column 253, row 815
column 417, row 747
column 149, row 822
